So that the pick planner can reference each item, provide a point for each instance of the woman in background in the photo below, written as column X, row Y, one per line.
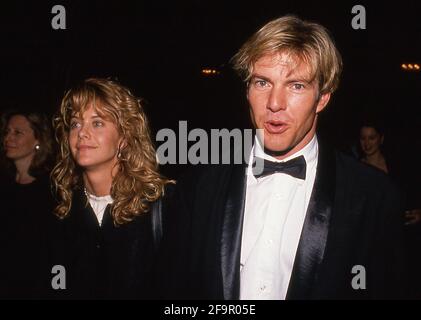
column 27, row 204
column 371, row 141
column 109, row 192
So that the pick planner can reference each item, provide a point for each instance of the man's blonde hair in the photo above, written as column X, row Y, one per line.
column 309, row 42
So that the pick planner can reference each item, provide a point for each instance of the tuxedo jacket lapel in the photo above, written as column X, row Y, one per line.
column 232, row 225
column 84, row 213
column 311, row 247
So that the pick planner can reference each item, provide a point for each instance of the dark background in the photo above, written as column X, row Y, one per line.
column 158, row 49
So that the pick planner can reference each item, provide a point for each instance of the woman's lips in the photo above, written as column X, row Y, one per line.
column 84, row 148
column 275, row 127
column 10, row 148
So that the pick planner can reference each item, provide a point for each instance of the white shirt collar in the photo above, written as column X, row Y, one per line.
column 107, row 198
column 99, row 204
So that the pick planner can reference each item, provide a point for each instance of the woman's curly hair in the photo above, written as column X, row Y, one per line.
column 137, row 182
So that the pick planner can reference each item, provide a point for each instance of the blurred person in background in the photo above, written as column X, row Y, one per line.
column 371, row 141
column 27, row 204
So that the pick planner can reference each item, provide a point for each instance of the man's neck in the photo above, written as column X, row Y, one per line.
column 286, row 154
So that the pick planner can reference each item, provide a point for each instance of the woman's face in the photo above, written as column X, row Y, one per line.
column 370, row 140
column 94, row 141
column 19, row 139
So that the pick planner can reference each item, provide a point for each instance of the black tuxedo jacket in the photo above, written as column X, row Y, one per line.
column 353, row 218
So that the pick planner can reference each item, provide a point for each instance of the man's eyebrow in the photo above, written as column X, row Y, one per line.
column 256, row 75
column 294, row 76
column 299, row 79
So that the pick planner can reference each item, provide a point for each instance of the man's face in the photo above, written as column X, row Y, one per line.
column 284, row 103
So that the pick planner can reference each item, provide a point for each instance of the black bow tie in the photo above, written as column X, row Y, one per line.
column 295, row 167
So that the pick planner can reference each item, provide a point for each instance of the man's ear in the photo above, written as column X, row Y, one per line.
column 251, row 114
column 323, row 101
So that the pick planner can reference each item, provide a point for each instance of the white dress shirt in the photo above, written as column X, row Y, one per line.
column 99, row 204
column 275, row 210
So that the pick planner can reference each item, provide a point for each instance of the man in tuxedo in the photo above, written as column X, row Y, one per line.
column 312, row 223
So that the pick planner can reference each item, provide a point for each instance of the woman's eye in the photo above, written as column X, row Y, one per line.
column 74, row 125
column 98, row 124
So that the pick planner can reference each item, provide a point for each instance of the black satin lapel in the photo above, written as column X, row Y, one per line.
column 232, row 224
column 83, row 211
column 107, row 219
column 313, row 239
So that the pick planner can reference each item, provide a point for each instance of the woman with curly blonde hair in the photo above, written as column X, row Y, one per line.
column 109, row 192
